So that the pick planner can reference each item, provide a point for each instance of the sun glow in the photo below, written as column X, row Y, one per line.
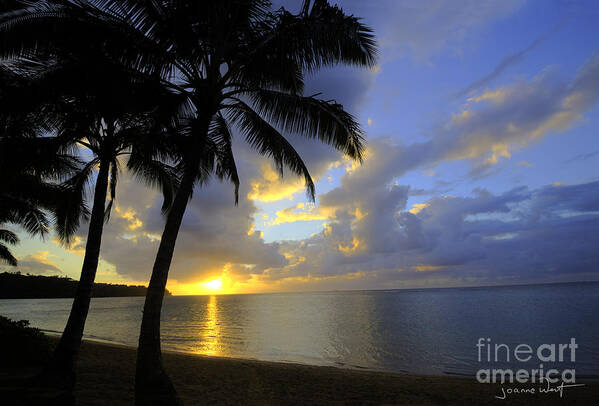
column 215, row 284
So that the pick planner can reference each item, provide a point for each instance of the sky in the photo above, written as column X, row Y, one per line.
column 481, row 168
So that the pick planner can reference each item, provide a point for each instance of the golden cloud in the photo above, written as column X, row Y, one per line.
column 302, row 212
column 418, row 207
column 77, row 245
column 271, row 187
column 131, row 216
column 495, row 96
column 355, row 246
column 44, row 258
column 427, row 268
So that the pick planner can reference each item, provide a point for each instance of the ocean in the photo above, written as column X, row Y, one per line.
column 430, row 331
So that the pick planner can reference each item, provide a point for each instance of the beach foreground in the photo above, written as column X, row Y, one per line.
column 106, row 377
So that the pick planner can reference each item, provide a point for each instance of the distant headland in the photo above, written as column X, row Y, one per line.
column 19, row 286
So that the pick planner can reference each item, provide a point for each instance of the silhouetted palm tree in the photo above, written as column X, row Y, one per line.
column 104, row 140
column 241, row 64
column 100, row 104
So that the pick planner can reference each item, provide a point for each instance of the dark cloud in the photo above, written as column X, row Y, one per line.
column 214, row 232
column 521, row 235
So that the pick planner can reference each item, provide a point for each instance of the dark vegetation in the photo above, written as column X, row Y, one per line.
column 21, row 345
column 18, row 286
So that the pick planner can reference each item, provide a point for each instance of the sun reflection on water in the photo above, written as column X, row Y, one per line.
column 211, row 343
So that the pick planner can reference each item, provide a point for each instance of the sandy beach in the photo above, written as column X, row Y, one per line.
column 106, row 377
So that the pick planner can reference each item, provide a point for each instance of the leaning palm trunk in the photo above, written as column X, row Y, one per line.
column 60, row 372
column 152, row 384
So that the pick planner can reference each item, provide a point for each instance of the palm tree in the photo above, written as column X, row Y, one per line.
column 105, row 134
column 100, row 105
column 242, row 65
column 105, row 141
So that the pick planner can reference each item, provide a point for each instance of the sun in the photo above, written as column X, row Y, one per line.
column 215, row 284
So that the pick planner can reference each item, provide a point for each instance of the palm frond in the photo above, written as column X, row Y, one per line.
column 6, row 256
column 320, row 36
column 326, row 121
column 114, row 173
column 73, row 208
column 39, row 158
column 269, row 142
column 155, row 174
column 27, row 214
column 8, row 237
column 226, row 168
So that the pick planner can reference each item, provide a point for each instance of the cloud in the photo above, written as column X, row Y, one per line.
column 583, row 157
column 490, row 127
column 300, row 212
column 76, row 246
column 497, row 121
column 518, row 236
column 269, row 186
column 505, row 63
column 39, row 263
column 214, row 234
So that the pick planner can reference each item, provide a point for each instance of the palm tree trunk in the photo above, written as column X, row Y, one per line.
column 61, row 370
column 152, row 384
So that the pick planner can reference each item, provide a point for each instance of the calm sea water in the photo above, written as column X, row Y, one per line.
column 425, row 331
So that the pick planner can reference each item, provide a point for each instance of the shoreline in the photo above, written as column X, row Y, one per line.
column 55, row 335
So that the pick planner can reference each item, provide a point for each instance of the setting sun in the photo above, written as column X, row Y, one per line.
column 215, row 284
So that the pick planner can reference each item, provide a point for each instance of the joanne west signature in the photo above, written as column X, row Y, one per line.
column 505, row 392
